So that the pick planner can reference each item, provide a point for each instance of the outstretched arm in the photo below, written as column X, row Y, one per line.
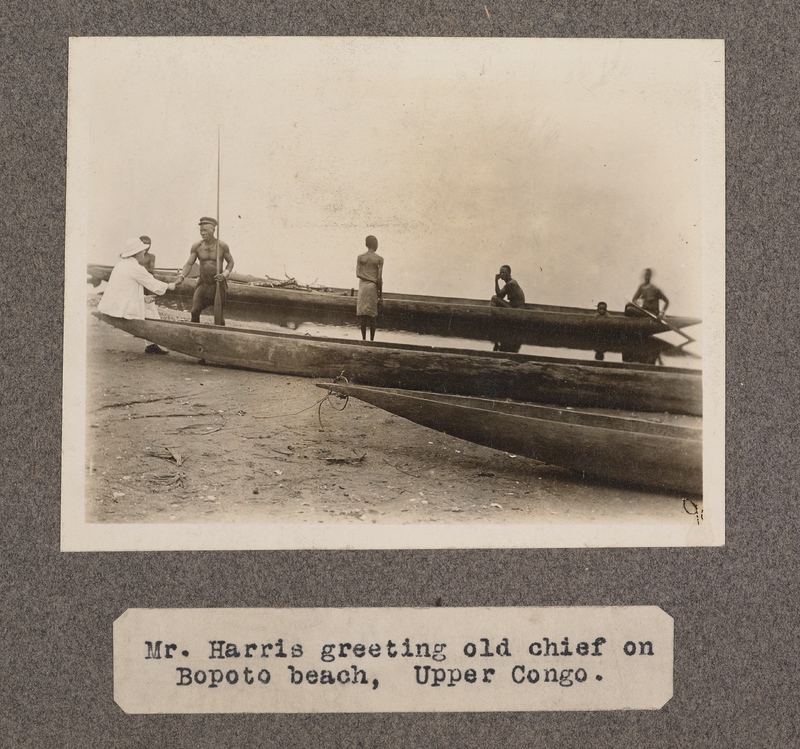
column 150, row 282
column 666, row 302
column 184, row 272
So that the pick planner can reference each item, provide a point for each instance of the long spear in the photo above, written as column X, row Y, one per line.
column 219, row 312
column 664, row 322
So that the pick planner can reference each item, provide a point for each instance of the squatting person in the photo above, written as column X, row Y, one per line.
column 511, row 289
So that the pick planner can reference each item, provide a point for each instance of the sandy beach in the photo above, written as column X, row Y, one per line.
column 170, row 439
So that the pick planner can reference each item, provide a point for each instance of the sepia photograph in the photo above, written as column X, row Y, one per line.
column 379, row 293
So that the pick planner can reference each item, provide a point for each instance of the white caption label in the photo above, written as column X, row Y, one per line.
column 392, row 659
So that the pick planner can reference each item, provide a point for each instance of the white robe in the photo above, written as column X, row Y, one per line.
column 124, row 294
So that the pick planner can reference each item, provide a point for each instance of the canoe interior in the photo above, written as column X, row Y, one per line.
column 536, row 324
column 167, row 274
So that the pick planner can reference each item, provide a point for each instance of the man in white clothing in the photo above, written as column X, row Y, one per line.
column 124, row 295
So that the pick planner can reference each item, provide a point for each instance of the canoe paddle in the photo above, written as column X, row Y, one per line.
column 219, row 312
column 663, row 321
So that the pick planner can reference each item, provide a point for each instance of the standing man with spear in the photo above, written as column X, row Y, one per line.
column 212, row 282
column 652, row 297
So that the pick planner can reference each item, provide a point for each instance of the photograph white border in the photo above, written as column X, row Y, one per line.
column 79, row 535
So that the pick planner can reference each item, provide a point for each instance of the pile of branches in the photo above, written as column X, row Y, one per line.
column 288, row 283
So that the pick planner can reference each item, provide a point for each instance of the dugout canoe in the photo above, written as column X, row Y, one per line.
column 657, row 451
column 481, row 373
column 535, row 324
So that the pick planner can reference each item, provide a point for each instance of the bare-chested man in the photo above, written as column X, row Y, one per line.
column 369, row 270
column 206, row 252
column 511, row 289
column 651, row 295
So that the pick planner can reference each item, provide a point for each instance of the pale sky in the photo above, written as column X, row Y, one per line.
column 577, row 162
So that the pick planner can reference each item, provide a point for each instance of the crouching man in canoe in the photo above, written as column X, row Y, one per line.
column 369, row 271
column 124, row 295
column 205, row 252
column 511, row 289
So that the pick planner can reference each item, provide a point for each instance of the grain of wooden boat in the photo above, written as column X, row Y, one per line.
column 535, row 324
column 499, row 375
column 662, row 452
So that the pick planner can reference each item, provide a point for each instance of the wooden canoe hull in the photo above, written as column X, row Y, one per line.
column 489, row 374
column 464, row 318
column 610, row 446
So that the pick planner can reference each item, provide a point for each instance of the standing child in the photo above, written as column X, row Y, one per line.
column 369, row 270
